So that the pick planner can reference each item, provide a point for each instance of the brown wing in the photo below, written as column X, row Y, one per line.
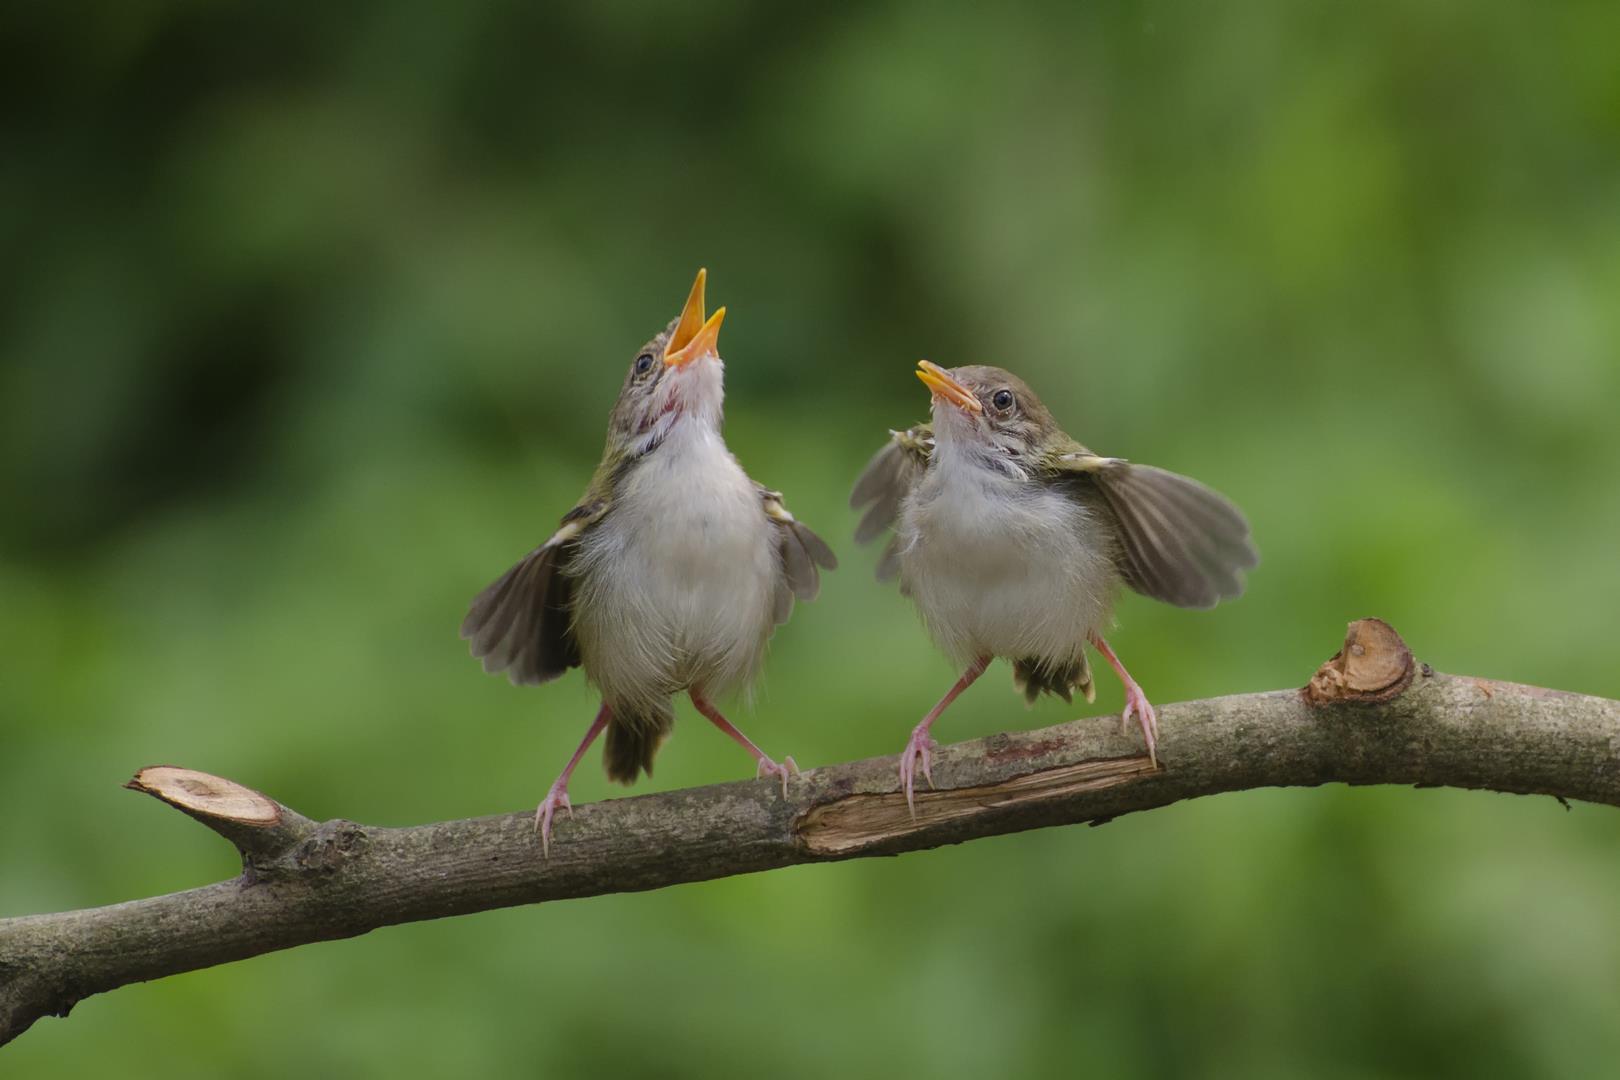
column 884, row 485
column 521, row 624
column 1180, row 541
column 801, row 552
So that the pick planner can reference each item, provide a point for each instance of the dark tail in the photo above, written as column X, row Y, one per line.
column 633, row 739
column 1035, row 677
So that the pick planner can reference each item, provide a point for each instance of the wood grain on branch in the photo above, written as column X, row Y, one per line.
column 1371, row 715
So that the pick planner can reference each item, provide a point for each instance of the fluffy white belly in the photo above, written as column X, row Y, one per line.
column 1000, row 567
column 676, row 583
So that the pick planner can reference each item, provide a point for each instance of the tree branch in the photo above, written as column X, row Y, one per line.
column 1371, row 715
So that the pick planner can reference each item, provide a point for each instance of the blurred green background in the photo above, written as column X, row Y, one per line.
column 310, row 321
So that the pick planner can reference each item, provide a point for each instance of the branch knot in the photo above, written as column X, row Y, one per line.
column 1372, row 668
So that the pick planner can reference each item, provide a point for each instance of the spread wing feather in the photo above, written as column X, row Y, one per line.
column 1180, row 541
column 521, row 623
column 801, row 551
column 883, row 486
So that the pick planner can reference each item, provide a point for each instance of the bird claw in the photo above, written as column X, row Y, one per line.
column 1137, row 702
column 919, row 751
column 557, row 796
column 767, row 767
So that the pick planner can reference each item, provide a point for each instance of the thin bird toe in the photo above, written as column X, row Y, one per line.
column 788, row 768
column 1147, row 717
column 919, row 751
column 546, row 811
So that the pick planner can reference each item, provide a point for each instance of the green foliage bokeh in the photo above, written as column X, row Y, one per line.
column 309, row 325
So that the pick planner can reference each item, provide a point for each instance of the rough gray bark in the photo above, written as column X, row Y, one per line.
column 1371, row 715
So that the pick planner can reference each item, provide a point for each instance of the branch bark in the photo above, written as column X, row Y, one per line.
column 1371, row 715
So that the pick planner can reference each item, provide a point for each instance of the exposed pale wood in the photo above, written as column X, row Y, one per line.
column 1381, row 720
column 1374, row 665
column 205, row 795
column 846, row 826
column 260, row 827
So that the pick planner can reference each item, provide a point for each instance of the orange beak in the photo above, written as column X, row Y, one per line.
column 943, row 385
column 693, row 337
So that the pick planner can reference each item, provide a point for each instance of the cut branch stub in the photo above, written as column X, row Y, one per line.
column 1373, row 667
column 207, row 795
column 259, row 826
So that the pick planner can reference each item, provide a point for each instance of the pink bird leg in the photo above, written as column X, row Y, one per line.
column 764, row 765
column 920, row 748
column 1135, row 701
column 558, row 795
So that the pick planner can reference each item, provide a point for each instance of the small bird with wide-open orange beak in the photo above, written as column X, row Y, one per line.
column 668, row 576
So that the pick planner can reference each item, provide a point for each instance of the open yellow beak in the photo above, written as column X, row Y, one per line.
column 694, row 337
column 940, row 382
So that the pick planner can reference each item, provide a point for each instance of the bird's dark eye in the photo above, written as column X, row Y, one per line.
column 1002, row 400
column 644, row 363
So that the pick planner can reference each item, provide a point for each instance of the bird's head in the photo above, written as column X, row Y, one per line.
column 983, row 409
column 676, row 378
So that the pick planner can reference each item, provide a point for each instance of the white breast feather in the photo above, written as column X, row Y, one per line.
column 676, row 584
column 1000, row 566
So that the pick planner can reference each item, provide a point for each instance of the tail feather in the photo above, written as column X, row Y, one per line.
column 633, row 739
column 1034, row 677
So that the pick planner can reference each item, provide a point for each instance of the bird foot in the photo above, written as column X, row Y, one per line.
column 919, row 751
column 767, row 767
column 557, row 796
column 1137, row 702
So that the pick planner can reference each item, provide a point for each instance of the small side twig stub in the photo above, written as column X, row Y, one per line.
column 1373, row 667
column 259, row 826
column 204, row 794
